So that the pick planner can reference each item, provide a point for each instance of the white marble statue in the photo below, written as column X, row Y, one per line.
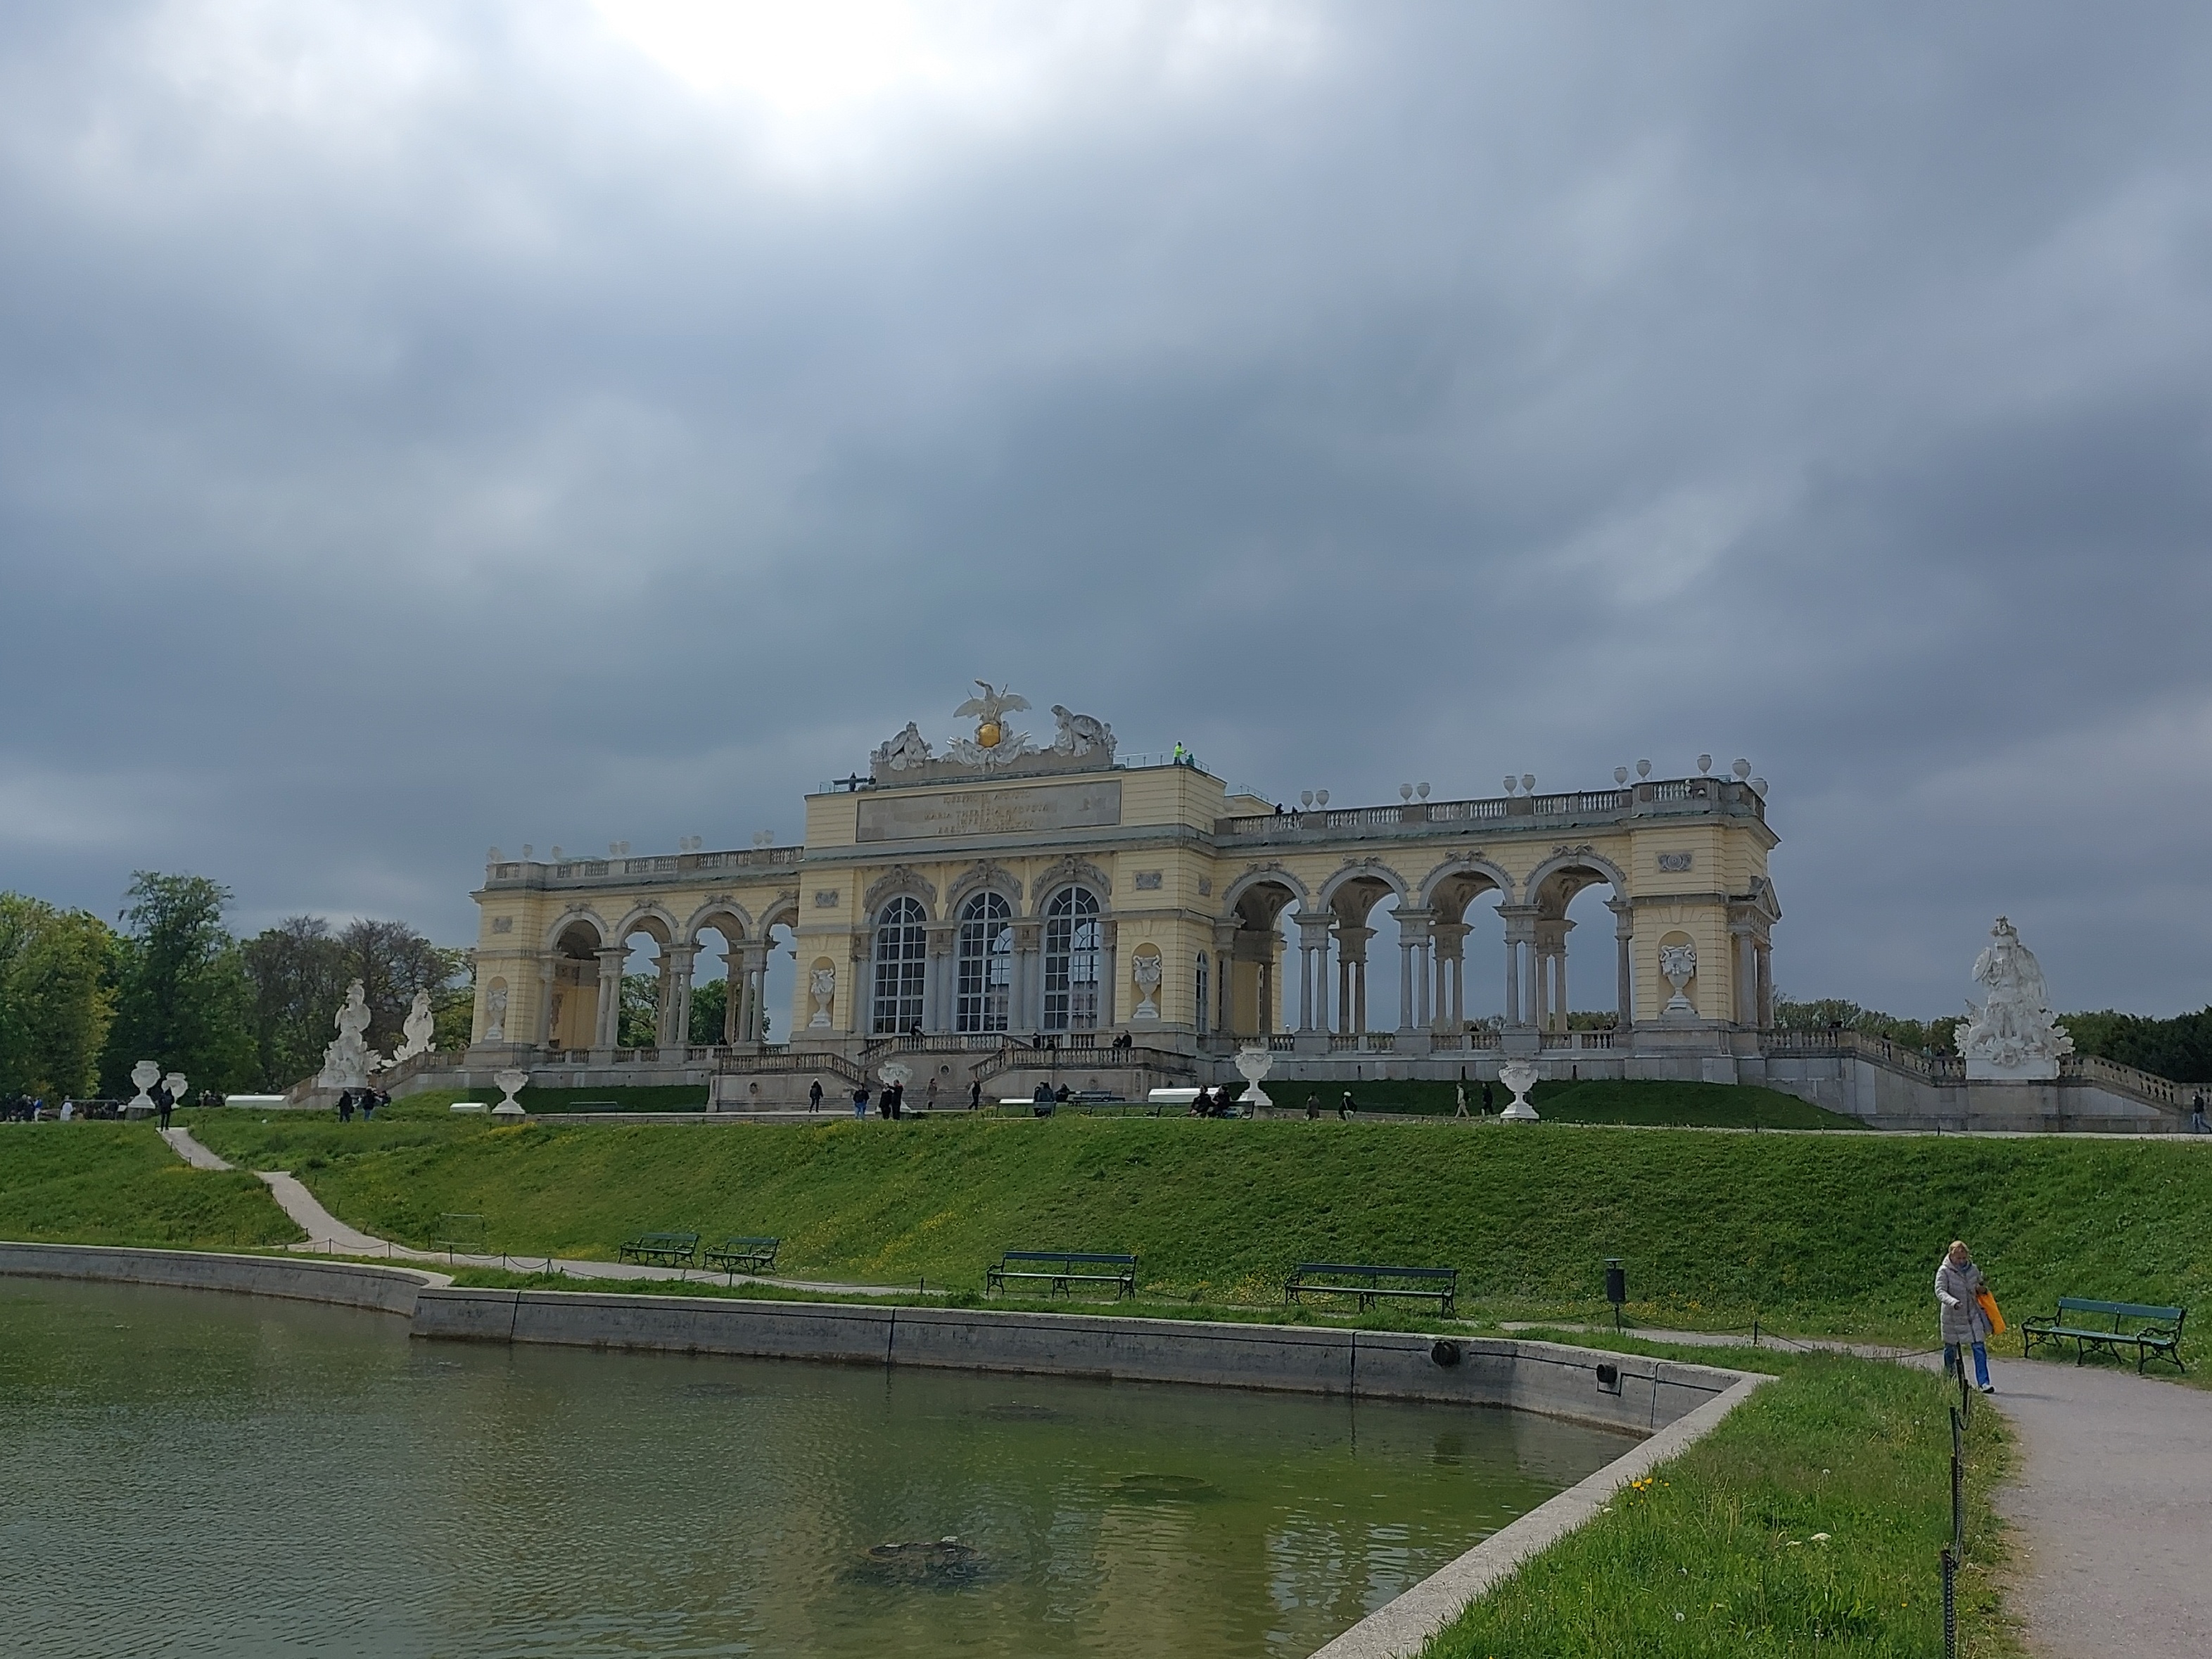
column 909, row 749
column 1678, row 963
column 2012, row 1036
column 1520, row 1076
column 346, row 1061
column 1253, row 1063
column 496, row 1013
column 1147, row 970
column 420, row 1026
column 824, row 985
column 1080, row 734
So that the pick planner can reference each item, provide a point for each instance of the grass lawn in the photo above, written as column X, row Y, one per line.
column 119, row 1183
column 1813, row 1233
column 1808, row 1522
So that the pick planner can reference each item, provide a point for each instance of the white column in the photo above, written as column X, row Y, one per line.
column 1406, row 1008
column 1624, row 971
column 548, row 967
column 1512, row 979
column 609, row 1023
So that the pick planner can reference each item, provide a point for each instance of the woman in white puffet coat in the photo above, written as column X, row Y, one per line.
column 1958, row 1284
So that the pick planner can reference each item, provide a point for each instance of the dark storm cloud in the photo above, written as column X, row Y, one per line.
column 421, row 428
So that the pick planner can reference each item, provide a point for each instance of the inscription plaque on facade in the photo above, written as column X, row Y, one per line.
column 990, row 811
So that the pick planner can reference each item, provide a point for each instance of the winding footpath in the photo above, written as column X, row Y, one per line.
column 328, row 1236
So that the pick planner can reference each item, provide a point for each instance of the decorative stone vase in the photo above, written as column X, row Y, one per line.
column 510, row 1083
column 145, row 1074
column 176, row 1083
column 1255, row 1063
column 1678, row 963
column 1146, row 971
column 1520, row 1077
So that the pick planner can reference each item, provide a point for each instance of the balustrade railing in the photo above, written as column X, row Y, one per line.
column 1701, row 794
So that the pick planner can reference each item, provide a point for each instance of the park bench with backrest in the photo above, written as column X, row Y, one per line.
column 1370, row 1282
column 2111, row 1326
column 1061, row 1269
column 663, row 1250
column 737, row 1255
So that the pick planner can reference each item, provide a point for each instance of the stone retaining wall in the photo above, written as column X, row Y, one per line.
column 1643, row 1394
column 345, row 1284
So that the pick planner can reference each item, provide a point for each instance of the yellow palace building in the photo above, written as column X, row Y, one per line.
column 1004, row 907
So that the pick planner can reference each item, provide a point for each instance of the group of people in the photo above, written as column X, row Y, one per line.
column 891, row 1102
column 365, row 1101
column 1213, row 1103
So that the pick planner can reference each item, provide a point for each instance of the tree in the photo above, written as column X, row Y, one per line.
column 1935, row 1037
column 710, row 1003
column 641, row 1011
column 2179, row 1048
column 57, row 998
column 182, row 997
column 392, row 961
column 298, row 975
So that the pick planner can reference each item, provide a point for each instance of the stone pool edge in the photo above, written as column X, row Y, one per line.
column 343, row 1284
column 1671, row 1404
column 1403, row 1625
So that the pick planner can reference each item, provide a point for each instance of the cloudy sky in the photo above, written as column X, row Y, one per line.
column 426, row 426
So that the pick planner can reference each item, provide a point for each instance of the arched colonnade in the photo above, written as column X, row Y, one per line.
column 1333, row 925
column 581, row 965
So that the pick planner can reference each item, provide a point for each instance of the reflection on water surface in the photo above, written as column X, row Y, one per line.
column 184, row 1472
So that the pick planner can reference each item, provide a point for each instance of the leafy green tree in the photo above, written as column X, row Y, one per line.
column 183, row 1000
column 298, row 975
column 57, row 998
column 641, row 1011
column 1935, row 1037
column 710, row 1002
column 2179, row 1048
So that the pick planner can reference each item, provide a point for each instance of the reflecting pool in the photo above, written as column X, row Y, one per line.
column 188, row 1473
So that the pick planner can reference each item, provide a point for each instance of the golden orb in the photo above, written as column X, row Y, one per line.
column 987, row 734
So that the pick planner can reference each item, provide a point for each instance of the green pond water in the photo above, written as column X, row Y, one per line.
column 184, row 1472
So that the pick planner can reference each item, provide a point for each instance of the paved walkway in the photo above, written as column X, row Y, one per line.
column 328, row 1236
column 2113, row 1508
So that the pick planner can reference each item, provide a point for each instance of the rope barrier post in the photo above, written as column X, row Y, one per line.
column 1950, row 1605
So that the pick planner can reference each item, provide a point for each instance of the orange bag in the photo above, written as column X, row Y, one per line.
column 1989, row 1306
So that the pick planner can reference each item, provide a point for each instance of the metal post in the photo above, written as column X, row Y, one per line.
column 1950, row 1605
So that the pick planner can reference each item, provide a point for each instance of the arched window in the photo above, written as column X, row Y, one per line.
column 1070, row 961
column 1202, row 985
column 902, row 953
column 986, row 964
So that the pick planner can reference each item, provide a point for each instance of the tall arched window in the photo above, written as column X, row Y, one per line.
column 1070, row 961
column 1203, row 987
column 901, row 954
column 986, row 964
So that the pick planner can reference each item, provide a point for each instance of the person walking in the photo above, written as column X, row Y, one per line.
column 861, row 1100
column 163, row 1100
column 929, row 1097
column 1459, row 1093
column 1486, row 1099
column 1343, row 1107
column 814, row 1096
column 1313, row 1105
column 1959, row 1286
column 2197, row 1125
column 976, row 1096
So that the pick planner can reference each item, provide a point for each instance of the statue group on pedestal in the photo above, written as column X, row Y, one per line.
column 2013, row 1035
column 348, row 1062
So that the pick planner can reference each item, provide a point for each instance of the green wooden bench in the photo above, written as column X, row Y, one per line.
column 1061, row 1269
column 1370, row 1282
column 663, row 1250
column 2146, row 1328
column 743, row 1255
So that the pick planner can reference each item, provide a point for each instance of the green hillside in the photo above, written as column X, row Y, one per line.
column 118, row 1183
column 1808, row 1231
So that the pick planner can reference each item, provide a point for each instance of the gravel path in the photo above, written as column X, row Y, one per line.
column 2113, row 1508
